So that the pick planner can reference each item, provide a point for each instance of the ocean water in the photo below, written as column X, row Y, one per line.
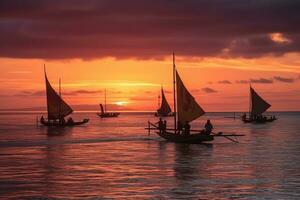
column 116, row 159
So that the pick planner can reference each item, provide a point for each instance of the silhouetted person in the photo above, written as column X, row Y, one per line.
column 164, row 126
column 244, row 116
column 187, row 128
column 42, row 119
column 208, row 127
column 160, row 125
column 70, row 121
column 254, row 117
column 63, row 121
column 179, row 127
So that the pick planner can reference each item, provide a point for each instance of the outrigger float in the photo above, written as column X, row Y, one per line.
column 186, row 109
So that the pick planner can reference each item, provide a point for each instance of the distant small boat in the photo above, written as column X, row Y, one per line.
column 165, row 109
column 186, row 109
column 257, row 107
column 104, row 113
column 57, row 108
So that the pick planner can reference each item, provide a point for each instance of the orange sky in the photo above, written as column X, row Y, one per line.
column 134, row 84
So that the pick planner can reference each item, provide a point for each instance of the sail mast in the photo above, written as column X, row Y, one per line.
column 159, row 97
column 105, row 100
column 174, row 92
column 59, row 111
column 46, row 90
column 250, row 101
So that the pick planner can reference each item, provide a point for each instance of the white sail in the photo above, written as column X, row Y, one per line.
column 258, row 104
column 187, row 108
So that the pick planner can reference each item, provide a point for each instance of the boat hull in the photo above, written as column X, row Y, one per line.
column 258, row 121
column 191, row 139
column 108, row 115
column 67, row 124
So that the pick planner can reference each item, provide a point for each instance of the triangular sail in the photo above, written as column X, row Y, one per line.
column 187, row 108
column 57, row 107
column 258, row 104
column 165, row 108
column 102, row 109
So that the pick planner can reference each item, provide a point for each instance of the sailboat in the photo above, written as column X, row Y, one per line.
column 257, row 107
column 165, row 109
column 104, row 113
column 186, row 110
column 57, row 108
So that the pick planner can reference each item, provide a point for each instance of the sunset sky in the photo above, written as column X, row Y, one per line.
column 126, row 47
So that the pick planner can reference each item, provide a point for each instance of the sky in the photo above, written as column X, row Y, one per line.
column 126, row 48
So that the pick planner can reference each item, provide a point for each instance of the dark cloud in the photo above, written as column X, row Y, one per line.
column 243, row 81
column 68, row 93
column 224, row 82
column 208, row 90
column 195, row 91
column 31, row 93
column 83, row 92
column 141, row 98
column 285, row 80
column 87, row 29
column 261, row 80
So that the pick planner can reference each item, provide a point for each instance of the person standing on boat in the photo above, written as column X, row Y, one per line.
column 42, row 119
column 187, row 128
column 179, row 127
column 160, row 125
column 244, row 116
column 164, row 126
column 208, row 127
column 63, row 121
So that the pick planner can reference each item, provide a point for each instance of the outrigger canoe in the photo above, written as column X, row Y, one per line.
column 257, row 107
column 57, row 108
column 199, row 136
column 186, row 110
column 259, row 121
column 66, row 124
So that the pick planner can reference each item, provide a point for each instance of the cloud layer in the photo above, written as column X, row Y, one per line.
column 208, row 90
column 87, row 29
column 267, row 80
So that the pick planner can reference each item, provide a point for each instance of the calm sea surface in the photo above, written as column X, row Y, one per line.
column 115, row 159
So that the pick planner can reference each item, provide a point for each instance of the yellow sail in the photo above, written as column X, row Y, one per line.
column 57, row 107
column 187, row 108
column 258, row 104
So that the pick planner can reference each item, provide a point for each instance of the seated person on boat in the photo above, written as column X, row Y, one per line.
column 187, row 128
column 70, row 120
column 179, row 128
